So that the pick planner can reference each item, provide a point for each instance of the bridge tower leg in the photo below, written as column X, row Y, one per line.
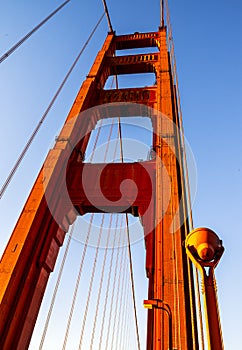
column 32, row 250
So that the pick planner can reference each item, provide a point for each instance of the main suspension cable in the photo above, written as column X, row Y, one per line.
column 36, row 130
column 28, row 35
column 107, row 15
column 184, row 164
column 162, row 13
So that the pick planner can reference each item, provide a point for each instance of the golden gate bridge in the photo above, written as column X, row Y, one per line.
column 93, row 172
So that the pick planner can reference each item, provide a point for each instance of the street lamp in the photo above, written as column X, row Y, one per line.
column 205, row 249
column 161, row 304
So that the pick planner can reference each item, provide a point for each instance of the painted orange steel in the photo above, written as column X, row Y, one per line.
column 31, row 253
column 205, row 250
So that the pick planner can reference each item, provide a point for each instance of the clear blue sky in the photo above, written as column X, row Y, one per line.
column 207, row 37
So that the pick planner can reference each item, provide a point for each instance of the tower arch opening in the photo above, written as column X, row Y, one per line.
column 104, row 145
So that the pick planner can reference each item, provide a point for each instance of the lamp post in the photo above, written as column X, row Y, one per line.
column 161, row 304
column 205, row 249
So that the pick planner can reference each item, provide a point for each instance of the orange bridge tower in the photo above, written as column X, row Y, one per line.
column 67, row 187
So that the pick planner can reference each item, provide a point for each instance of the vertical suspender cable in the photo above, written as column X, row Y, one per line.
column 56, row 288
column 120, row 304
column 128, row 236
column 132, row 282
column 83, row 254
column 91, row 284
column 114, row 283
column 119, row 290
column 95, row 263
column 36, row 130
column 96, row 140
column 129, row 249
column 21, row 41
column 110, row 269
column 105, row 252
column 127, row 344
column 124, row 305
column 77, row 282
column 108, row 284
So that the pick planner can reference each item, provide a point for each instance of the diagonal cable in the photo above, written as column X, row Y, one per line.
column 36, row 130
column 28, row 35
